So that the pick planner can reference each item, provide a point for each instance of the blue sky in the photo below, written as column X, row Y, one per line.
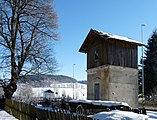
column 77, row 17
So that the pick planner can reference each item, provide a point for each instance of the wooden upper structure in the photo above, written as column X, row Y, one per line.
column 108, row 49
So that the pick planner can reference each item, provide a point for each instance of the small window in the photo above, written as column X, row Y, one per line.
column 96, row 54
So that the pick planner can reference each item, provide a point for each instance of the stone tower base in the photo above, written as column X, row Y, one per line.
column 113, row 83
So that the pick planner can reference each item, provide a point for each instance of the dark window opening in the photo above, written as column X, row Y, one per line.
column 96, row 54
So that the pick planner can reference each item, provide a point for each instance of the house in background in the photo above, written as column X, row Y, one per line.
column 112, row 63
column 49, row 94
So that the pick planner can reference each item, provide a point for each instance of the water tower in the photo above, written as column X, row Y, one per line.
column 112, row 63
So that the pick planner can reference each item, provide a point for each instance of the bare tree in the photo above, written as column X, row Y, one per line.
column 27, row 31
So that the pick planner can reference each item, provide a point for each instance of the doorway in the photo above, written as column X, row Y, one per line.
column 96, row 91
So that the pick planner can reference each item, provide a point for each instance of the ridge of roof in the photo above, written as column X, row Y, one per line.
column 113, row 36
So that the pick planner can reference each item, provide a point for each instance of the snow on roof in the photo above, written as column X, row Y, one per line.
column 119, row 115
column 49, row 91
column 99, row 102
column 118, row 37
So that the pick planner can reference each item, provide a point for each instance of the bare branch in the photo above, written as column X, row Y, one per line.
column 25, row 28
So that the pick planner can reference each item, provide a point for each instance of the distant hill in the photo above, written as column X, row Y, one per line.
column 82, row 82
column 46, row 80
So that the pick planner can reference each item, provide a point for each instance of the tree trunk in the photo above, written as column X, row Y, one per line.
column 9, row 90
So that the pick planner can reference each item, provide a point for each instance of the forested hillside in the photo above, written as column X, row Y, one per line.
column 47, row 80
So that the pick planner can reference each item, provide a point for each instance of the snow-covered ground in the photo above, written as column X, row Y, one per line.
column 111, row 115
column 80, row 92
column 152, row 115
column 114, row 114
column 117, row 114
column 100, row 102
column 73, row 90
column 6, row 116
column 124, row 115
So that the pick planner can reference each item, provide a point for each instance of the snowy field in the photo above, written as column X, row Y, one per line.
column 80, row 92
column 124, row 115
column 120, row 115
column 73, row 90
column 117, row 114
column 152, row 115
column 114, row 114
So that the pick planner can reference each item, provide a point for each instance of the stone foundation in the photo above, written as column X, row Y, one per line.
column 116, row 84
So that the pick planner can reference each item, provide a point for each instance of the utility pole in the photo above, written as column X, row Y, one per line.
column 73, row 79
column 142, row 35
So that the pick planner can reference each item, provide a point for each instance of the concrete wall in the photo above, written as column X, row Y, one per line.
column 98, row 75
column 116, row 84
column 123, row 85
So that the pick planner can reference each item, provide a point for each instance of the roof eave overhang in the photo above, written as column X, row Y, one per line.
column 84, row 46
column 92, row 33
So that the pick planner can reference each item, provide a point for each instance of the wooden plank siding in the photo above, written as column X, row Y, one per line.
column 122, row 54
column 112, row 52
column 97, row 44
